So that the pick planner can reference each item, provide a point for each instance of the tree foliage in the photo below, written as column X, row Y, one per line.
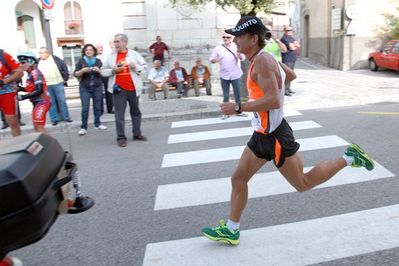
column 251, row 7
column 391, row 29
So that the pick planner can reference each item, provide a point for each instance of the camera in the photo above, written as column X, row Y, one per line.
column 268, row 35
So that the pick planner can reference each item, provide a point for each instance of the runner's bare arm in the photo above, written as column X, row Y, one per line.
column 265, row 75
column 289, row 73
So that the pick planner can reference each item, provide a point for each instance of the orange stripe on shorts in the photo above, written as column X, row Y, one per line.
column 277, row 152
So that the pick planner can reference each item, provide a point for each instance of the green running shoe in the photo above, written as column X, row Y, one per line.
column 360, row 158
column 222, row 233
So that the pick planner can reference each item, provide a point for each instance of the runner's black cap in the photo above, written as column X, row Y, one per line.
column 248, row 24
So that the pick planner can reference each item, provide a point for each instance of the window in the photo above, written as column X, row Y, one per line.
column 387, row 48
column 396, row 48
column 25, row 25
column 73, row 18
column 71, row 55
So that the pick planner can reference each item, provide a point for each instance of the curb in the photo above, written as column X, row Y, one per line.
column 165, row 117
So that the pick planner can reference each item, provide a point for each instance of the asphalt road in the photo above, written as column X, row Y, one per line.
column 124, row 183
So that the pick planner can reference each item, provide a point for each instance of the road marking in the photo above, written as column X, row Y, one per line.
column 218, row 120
column 300, row 243
column 218, row 190
column 233, row 153
column 230, row 133
column 379, row 113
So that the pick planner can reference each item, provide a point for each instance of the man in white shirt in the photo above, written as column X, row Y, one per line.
column 158, row 77
column 56, row 74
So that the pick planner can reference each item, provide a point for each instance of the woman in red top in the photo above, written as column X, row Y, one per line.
column 37, row 90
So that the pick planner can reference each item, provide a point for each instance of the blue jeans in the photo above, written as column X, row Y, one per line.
column 59, row 109
column 87, row 92
column 226, row 89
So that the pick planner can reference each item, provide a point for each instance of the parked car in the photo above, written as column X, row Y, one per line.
column 387, row 57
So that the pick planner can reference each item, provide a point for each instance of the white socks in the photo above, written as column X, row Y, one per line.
column 233, row 226
column 348, row 159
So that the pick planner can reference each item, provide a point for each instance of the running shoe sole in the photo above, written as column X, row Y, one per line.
column 224, row 240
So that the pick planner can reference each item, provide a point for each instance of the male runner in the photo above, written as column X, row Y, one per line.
column 273, row 138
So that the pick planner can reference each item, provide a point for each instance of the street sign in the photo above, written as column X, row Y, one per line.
column 48, row 14
column 48, row 4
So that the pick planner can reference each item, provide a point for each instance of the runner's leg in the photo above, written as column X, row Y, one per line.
column 248, row 165
column 292, row 170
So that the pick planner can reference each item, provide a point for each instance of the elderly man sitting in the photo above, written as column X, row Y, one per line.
column 201, row 76
column 158, row 77
column 178, row 78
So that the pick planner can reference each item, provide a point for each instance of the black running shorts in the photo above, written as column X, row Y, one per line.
column 275, row 146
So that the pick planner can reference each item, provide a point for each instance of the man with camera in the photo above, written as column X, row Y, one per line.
column 124, row 68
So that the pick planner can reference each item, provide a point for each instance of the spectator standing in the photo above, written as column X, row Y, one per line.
column 124, row 67
column 178, row 78
column 290, row 56
column 87, row 70
column 200, row 74
column 10, row 72
column 106, row 94
column 158, row 78
column 158, row 48
column 230, row 71
column 273, row 45
column 55, row 72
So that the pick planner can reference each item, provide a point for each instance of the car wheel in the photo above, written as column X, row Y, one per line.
column 373, row 66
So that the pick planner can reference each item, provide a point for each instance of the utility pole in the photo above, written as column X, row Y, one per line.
column 46, row 31
column 46, row 15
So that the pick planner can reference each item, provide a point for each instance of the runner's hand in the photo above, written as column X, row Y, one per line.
column 227, row 108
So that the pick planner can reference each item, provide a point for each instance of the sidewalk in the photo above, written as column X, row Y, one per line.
column 316, row 87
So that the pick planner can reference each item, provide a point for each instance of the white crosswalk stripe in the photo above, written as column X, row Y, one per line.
column 261, row 185
column 297, row 243
column 300, row 243
column 213, row 121
column 230, row 133
column 233, row 153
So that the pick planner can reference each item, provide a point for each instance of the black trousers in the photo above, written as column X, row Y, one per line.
column 107, row 96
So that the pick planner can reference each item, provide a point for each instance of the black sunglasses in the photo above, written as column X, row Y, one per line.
column 226, row 37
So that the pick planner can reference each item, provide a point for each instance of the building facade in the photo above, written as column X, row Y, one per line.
column 340, row 33
column 73, row 23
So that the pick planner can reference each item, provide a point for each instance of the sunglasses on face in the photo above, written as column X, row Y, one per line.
column 288, row 30
column 226, row 37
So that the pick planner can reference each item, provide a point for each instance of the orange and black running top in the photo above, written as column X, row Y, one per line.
column 265, row 122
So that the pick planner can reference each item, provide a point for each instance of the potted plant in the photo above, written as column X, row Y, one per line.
column 73, row 24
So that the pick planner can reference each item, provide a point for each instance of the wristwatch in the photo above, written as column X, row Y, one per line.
column 237, row 108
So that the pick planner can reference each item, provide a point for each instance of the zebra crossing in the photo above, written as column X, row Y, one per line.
column 309, row 241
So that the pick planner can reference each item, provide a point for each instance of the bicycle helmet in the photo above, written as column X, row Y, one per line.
column 27, row 57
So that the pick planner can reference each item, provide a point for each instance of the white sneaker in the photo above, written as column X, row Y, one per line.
column 82, row 132
column 101, row 127
column 16, row 261
column 224, row 117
